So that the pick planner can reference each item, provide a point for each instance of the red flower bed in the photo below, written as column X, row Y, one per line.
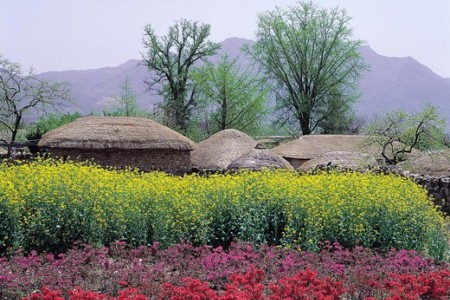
column 79, row 294
column 241, row 272
column 253, row 285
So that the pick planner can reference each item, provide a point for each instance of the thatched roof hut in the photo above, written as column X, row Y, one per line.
column 218, row 151
column 433, row 163
column 115, row 133
column 121, row 142
column 259, row 159
column 308, row 147
column 340, row 159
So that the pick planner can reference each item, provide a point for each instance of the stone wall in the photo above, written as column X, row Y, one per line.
column 438, row 187
column 172, row 161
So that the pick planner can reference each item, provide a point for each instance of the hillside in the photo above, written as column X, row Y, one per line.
column 391, row 83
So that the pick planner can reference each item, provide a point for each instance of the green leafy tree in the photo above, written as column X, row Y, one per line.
column 229, row 97
column 171, row 58
column 46, row 123
column 23, row 94
column 310, row 57
column 398, row 133
column 49, row 122
column 126, row 104
column 340, row 118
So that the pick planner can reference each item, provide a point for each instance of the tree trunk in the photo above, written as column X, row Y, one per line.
column 14, row 134
column 223, row 121
column 304, row 125
column 180, row 121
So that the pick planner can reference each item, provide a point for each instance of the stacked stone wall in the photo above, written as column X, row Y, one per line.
column 171, row 161
column 438, row 187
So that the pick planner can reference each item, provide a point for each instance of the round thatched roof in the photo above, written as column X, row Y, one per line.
column 218, row 151
column 341, row 159
column 115, row 133
column 311, row 146
column 258, row 159
column 434, row 163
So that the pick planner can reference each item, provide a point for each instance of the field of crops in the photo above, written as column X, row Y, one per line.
column 47, row 206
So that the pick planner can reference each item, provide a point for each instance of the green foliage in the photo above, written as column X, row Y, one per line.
column 340, row 118
column 9, row 216
column 399, row 132
column 171, row 58
column 309, row 56
column 50, row 122
column 229, row 97
column 51, row 204
column 447, row 140
column 126, row 104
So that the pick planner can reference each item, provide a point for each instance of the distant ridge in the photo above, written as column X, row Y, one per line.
column 391, row 83
column 400, row 83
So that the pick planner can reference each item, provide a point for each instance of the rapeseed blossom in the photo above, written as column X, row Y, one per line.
column 51, row 204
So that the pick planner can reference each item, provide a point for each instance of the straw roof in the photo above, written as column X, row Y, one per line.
column 218, row 151
column 435, row 163
column 341, row 159
column 115, row 133
column 311, row 146
column 258, row 159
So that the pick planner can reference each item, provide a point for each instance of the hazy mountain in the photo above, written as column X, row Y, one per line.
column 391, row 83
column 93, row 90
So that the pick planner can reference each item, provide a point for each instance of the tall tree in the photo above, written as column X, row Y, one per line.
column 22, row 94
column 172, row 58
column 229, row 97
column 310, row 57
column 126, row 104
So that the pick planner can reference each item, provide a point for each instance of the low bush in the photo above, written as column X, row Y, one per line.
column 242, row 272
column 51, row 204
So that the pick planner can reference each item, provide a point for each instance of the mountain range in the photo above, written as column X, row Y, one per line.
column 391, row 83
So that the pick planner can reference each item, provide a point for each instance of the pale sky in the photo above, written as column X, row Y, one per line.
column 55, row 35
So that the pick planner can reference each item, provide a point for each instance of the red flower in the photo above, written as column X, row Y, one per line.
column 46, row 294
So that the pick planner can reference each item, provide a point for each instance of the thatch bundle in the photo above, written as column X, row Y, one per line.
column 115, row 133
column 218, row 151
column 340, row 159
column 434, row 163
column 307, row 147
column 259, row 159
column 311, row 146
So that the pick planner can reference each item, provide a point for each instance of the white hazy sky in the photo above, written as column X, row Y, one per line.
column 54, row 35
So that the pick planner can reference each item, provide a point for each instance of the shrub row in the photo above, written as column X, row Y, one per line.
column 49, row 205
column 150, row 271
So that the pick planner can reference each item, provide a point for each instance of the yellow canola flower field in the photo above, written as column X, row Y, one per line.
column 48, row 205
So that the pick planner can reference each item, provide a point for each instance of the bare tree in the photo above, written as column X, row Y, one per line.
column 172, row 58
column 398, row 133
column 22, row 94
